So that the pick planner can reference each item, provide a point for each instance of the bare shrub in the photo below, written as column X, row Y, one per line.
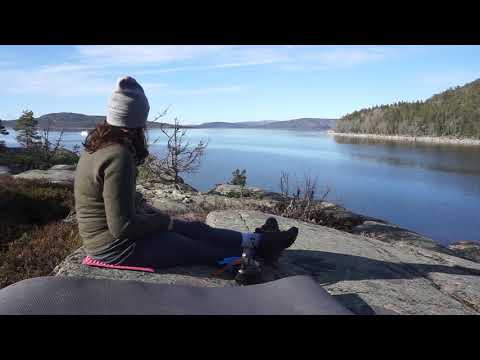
column 301, row 204
column 48, row 147
column 152, row 169
column 284, row 184
column 181, row 156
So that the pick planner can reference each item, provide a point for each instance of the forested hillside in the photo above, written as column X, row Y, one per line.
column 452, row 113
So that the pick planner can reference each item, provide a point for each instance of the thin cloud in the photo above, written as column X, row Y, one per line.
column 205, row 67
column 289, row 58
column 63, row 68
column 206, row 91
column 349, row 56
column 153, row 86
column 93, row 70
column 210, row 57
column 57, row 80
column 138, row 54
column 206, row 57
column 67, row 80
column 5, row 64
column 447, row 79
column 331, row 57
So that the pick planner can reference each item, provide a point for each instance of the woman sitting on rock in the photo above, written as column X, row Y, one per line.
column 105, row 186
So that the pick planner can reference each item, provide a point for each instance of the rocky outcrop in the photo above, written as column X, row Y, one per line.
column 181, row 199
column 366, row 273
column 340, row 218
column 467, row 249
column 194, row 275
column 368, row 276
column 162, row 186
column 237, row 191
column 63, row 167
column 4, row 170
column 395, row 234
column 51, row 175
column 171, row 206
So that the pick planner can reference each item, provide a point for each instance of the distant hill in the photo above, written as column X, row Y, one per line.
column 70, row 121
column 75, row 122
column 452, row 113
column 219, row 125
column 237, row 125
column 64, row 120
column 312, row 124
column 303, row 124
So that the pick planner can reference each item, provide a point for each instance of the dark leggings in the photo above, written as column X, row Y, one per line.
column 189, row 243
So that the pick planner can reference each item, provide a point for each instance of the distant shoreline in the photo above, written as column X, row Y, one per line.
column 59, row 129
column 188, row 127
column 410, row 139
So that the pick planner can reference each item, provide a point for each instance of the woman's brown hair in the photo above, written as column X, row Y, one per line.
column 105, row 134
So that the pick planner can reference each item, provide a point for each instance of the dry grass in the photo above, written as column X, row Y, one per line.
column 301, row 203
column 37, row 253
column 25, row 203
column 20, row 159
column 32, row 240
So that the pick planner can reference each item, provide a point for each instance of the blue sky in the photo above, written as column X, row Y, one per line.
column 230, row 83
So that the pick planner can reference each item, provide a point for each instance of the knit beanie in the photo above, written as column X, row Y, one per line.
column 128, row 106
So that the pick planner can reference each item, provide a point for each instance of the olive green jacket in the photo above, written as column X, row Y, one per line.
column 105, row 205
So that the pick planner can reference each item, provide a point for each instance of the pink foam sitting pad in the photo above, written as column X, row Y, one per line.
column 92, row 262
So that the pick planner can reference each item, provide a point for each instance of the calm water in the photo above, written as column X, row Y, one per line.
column 432, row 189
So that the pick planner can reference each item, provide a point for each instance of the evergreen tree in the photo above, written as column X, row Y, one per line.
column 26, row 128
column 239, row 177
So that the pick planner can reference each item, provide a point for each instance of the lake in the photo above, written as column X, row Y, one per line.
column 431, row 189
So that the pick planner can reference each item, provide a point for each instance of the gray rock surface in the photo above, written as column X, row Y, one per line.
column 170, row 206
column 194, row 276
column 393, row 233
column 54, row 176
column 4, row 170
column 367, row 275
column 178, row 201
column 169, row 198
column 467, row 249
column 63, row 167
column 161, row 189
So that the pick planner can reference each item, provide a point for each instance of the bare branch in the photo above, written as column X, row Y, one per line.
column 58, row 143
column 181, row 156
column 284, row 184
column 162, row 114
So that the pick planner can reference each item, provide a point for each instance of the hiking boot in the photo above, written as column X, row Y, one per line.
column 271, row 225
column 274, row 242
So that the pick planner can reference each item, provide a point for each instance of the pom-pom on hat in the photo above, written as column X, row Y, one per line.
column 128, row 106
